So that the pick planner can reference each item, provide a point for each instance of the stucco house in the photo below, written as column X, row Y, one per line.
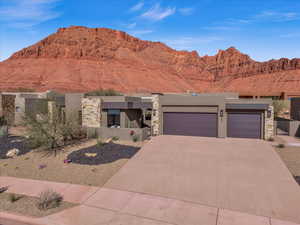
column 209, row 115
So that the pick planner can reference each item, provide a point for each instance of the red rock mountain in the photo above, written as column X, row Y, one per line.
column 82, row 59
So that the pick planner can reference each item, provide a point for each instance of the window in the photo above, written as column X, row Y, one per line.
column 113, row 118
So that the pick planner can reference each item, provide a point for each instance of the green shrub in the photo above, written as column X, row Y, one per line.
column 13, row 197
column 49, row 199
column 115, row 138
column 100, row 143
column 271, row 139
column 104, row 92
column 22, row 89
column 280, row 146
column 136, row 138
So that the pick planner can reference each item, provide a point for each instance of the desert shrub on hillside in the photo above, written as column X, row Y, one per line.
column 22, row 89
column 104, row 92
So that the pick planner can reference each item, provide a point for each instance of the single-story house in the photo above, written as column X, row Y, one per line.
column 208, row 115
column 212, row 115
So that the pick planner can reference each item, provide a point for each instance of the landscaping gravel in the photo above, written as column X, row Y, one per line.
column 27, row 206
column 12, row 142
column 96, row 172
column 107, row 153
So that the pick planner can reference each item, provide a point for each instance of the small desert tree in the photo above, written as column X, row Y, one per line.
column 49, row 132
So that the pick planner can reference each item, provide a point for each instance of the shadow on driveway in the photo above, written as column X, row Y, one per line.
column 107, row 153
column 297, row 178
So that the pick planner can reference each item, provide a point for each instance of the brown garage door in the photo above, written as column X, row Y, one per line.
column 190, row 124
column 244, row 125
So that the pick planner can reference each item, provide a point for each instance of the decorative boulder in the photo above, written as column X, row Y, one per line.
column 12, row 153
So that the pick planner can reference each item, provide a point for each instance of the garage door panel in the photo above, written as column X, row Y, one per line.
column 244, row 125
column 190, row 124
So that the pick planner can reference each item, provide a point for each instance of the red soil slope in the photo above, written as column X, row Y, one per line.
column 82, row 59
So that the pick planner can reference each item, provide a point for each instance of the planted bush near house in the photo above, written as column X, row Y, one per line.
column 51, row 133
column 135, row 138
column 271, row 139
column 100, row 143
column 280, row 145
column 49, row 199
column 115, row 138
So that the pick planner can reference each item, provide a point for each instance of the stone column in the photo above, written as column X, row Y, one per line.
column 269, row 123
column 155, row 121
column 91, row 112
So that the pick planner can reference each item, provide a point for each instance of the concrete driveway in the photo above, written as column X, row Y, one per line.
column 243, row 175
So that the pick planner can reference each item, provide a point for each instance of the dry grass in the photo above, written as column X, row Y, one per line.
column 54, row 169
column 26, row 206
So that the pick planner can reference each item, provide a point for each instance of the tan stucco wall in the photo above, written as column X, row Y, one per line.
column 73, row 106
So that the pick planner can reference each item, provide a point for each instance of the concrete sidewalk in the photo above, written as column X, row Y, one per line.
column 114, row 207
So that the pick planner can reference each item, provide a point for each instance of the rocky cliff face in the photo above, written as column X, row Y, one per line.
column 81, row 59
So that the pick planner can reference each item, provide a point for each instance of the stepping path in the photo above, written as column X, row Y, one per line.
column 114, row 207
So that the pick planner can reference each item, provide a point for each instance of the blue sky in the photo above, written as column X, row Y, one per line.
column 264, row 29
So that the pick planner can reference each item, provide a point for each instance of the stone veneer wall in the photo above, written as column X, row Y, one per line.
column 91, row 112
column 269, row 124
column 155, row 122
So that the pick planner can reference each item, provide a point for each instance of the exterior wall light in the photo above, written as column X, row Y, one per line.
column 221, row 113
column 154, row 112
